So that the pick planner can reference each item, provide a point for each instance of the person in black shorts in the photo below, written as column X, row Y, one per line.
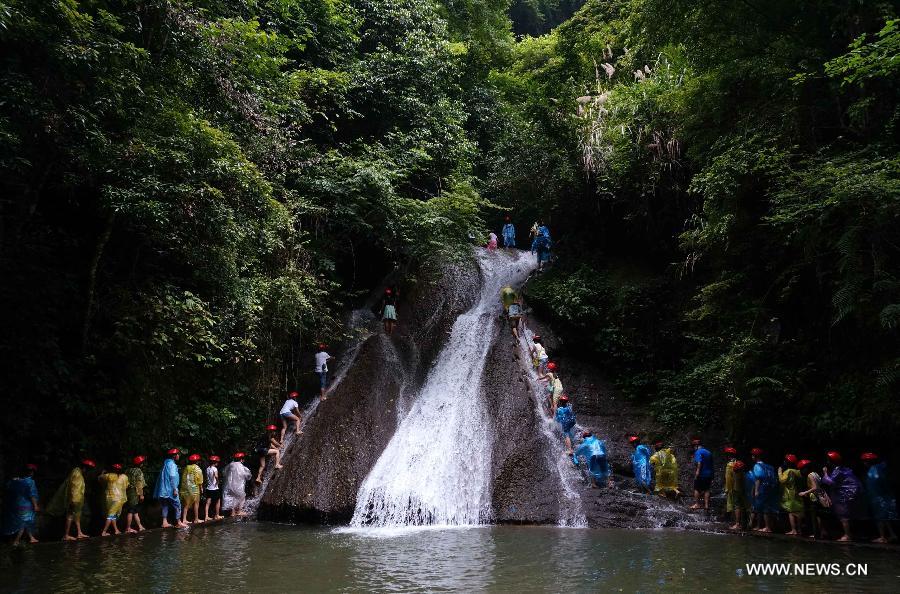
column 211, row 491
column 268, row 446
column 703, row 474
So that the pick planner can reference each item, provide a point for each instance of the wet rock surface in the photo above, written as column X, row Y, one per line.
column 325, row 467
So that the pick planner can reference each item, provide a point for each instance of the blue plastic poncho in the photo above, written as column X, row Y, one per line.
column 509, row 235
column 593, row 450
column 541, row 246
column 168, row 481
column 565, row 416
column 766, row 500
column 640, row 463
column 882, row 503
column 18, row 509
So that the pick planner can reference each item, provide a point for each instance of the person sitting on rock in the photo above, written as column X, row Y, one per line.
column 640, row 464
column 269, row 446
column 565, row 416
column 593, row 451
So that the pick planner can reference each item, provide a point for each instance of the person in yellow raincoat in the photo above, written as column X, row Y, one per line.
column 115, row 485
column 68, row 501
column 735, row 492
column 189, row 489
column 791, row 485
column 665, row 469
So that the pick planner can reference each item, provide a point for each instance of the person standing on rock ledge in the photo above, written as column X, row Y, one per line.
column 509, row 234
column 389, row 311
column 640, row 464
column 593, row 450
column 703, row 474
column 666, row 470
column 166, row 490
column 565, row 416
column 322, row 359
column 235, row 492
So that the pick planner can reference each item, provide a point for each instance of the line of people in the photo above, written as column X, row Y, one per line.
column 122, row 491
column 541, row 243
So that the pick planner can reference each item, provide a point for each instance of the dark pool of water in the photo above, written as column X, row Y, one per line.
column 259, row 557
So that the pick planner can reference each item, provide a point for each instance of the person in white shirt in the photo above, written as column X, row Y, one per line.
column 322, row 359
column 212, row 491
column 290, row 412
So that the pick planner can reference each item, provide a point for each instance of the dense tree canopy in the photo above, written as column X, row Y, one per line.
column 194, row 191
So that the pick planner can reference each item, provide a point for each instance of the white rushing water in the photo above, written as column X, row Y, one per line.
column 436, row 469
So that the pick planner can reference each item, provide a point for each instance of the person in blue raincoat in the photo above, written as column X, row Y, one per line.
column 764, row 501
column 565, row 416
column 166, row 490
column 509, row 234
column 541, row 245
column 20, row 506
column 593, row 451
column 640, row 464
column 882, row 503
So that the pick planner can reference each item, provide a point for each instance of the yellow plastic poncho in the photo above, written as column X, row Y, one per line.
column 69, row 498
column 191, row 481
column 791, row 483
column 115, row 487
column 735, row 494
column 665, row 469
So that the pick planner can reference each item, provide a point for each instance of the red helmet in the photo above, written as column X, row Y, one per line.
column 89, row 462
column 756, row 452
column 138, row 460
column 695, row 441
column 551, row 366
column 658, row 445
column 293, row 394
column 803, row 463
column 633, row 439
column 730, row 450
column 323, row 346
column 214, row 458
column 271, row 427
column 117, row 467
column 563, row 398
column 387, row 291
column 738, row 465
column 536, row 337
column 31, row 466
column 586, row 433
column 239, row 455
column 869, row 456
column 507, row 218
column 173, row 451
column 834, row 456
column 194, row 458
column 790, row 458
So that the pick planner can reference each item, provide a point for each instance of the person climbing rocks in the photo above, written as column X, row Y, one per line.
column 68, row 501
column 703, row 474
column 640, row 465
column 542, row 245
column 189, row 489
column 816, row 501
column 166, row 489
column 269, row 446
column 20, row 505
column 665, row 468
column 234, row 492
column 322, row 359
column 211, row 490
column 115, row 486
column 492, row 241
column 514, row 317
column 735, row 489
column 765, row 493
column 539, row 356
column 554, row 387
column 593, row 451
column 290, row 413
column 508, row 296
column 509, row 234
column 134, row 494
column 389, row 311
column 791, row 486
column 843, row 488
column 565, row 416
column 882, row 504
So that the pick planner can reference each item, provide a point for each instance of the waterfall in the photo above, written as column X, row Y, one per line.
column 436, row 469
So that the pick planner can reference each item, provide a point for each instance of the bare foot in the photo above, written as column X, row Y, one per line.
column 198, row 521
column 791, row 533
column 695, row 506
column 82, row 536
column 734, row 527
column 130, row 531
column 220, row 517
column 766, row 530
column 32, row 540
column 880, row 540
column 324, row 398
column 166, row 525
column 104, row 534
column 183, row 525
column 844, row 538
column 279, row 467
column 141, row 528
column 67, row 537
column 258, row 481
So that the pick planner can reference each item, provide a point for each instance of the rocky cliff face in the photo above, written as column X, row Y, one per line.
column 324, row 468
